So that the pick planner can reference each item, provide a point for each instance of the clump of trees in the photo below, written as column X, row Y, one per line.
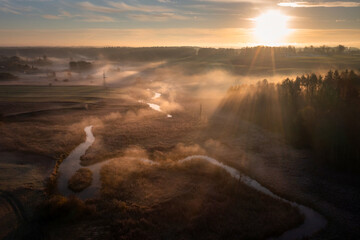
column 314, row 111
column 324, row 50
column 7, row 76
column 80, row 66
column 61, row 209
column 80, row 180
column 42, row 61
column 15, row 63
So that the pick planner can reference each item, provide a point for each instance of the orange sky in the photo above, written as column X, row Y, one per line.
column 230, row 37
column 216, row 23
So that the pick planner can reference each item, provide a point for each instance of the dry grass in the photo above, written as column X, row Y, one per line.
column 155, row 133
column 80, row 180
column 187, row 201
column 47, row 136
column 139, row 201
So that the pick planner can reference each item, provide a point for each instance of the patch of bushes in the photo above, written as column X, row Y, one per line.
column 62, row 209
column 80, row 180
column 7, row 76
column 80, row 66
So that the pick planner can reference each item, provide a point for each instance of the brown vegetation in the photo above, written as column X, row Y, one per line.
column 61, row 209
column 190, row 200
column 7, row 76
column 39, row 137
column 80, row 180
column 169, row 200
column 119, row 131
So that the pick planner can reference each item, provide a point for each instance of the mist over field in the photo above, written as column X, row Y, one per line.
column 179, row 120
column 179, row 143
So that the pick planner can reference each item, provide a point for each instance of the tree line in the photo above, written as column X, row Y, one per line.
column 166, row 53
column 311, row 111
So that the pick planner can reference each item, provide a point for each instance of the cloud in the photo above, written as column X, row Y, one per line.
column 62, row 14
column 153, row 13
column 10, row 7
column 51, row 17
column 159, row 17
column 115, row 7
column 97, row 18
column 96, row 8
column 319, row 4
column 79, row 17
column 225, row 7
column 236, row 1
column 65, row 14
column 139, row 8
column 9, row 10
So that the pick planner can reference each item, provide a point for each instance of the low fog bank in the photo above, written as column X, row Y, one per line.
column 126, row 66
column 212, row 106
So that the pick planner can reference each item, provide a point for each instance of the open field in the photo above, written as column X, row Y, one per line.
column 48, row 95
column 198, row 201
column 179, row 120
column 263, row 66
column 116, row 128
column 143, row 124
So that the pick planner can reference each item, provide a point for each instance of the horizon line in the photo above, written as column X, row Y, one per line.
column 183, row 46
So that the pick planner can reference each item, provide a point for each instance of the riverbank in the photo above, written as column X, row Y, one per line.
column 313, row 221
column 137, row 200
column 293, row 174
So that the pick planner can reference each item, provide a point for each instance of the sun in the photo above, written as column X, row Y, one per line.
column 271, row 28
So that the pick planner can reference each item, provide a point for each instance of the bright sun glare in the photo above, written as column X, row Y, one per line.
column 271, row 28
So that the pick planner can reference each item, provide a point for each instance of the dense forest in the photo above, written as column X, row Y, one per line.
column 311, row 111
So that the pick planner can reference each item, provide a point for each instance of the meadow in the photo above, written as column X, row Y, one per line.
column 53, row 131
column 296, row 138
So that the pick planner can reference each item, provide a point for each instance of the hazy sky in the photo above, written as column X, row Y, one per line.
column 171, row 22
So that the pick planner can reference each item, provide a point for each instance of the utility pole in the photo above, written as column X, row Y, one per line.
column 200, row 113
column 104, row 79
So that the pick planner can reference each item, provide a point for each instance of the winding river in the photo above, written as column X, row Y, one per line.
column 313, row 220
column 156, row 107
column 73, row 163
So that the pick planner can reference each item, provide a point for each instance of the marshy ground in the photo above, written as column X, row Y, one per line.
column 139, row 199
column 41, row 125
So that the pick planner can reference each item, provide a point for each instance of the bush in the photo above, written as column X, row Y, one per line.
column 80, row 66
column 80, row 180
column 7, row 76
column 62, row 209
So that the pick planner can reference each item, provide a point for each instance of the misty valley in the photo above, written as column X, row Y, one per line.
column 180, row 143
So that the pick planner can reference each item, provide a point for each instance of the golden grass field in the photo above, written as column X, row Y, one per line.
column 138, row 201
